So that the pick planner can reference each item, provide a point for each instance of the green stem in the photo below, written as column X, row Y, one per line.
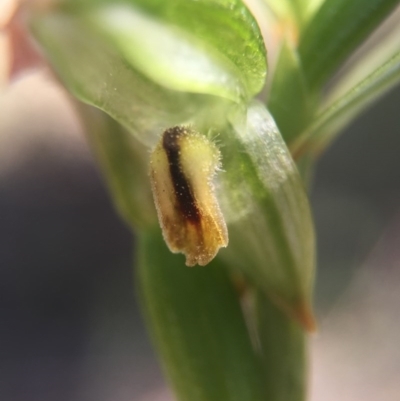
column 198, row 326
column 283, row 346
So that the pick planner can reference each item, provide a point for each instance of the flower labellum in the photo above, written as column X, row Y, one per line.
column 183, row 165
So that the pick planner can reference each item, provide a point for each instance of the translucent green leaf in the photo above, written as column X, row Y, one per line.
column 284, row 352
column 210, row 47
column 336, row 29
column 97, row 74
column 198, row 326
column 144, row 67
column 271, row 235
column 289, row 100
column 332, row 120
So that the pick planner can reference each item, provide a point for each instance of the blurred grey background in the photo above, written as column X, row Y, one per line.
column 70, row 326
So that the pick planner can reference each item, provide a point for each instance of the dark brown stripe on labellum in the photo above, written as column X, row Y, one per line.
column 183, row 192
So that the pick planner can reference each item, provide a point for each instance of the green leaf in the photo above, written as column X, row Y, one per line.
column 346, row 108
column 284, row 352
column 271, row 235
column 336, row 29
column 124, row 163
column 289, row 101
column 198, row 326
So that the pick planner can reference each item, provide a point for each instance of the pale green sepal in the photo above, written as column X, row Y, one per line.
column 271, row 234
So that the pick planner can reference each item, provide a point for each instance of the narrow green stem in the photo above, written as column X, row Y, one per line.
column 198, row 326
column 284, row 351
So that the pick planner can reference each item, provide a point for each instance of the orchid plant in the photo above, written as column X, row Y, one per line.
column 208, row 153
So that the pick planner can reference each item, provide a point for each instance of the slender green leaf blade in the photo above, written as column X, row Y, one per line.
column 346, row 108
column 198, row 326
column 284, row 352
column 337, row 28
